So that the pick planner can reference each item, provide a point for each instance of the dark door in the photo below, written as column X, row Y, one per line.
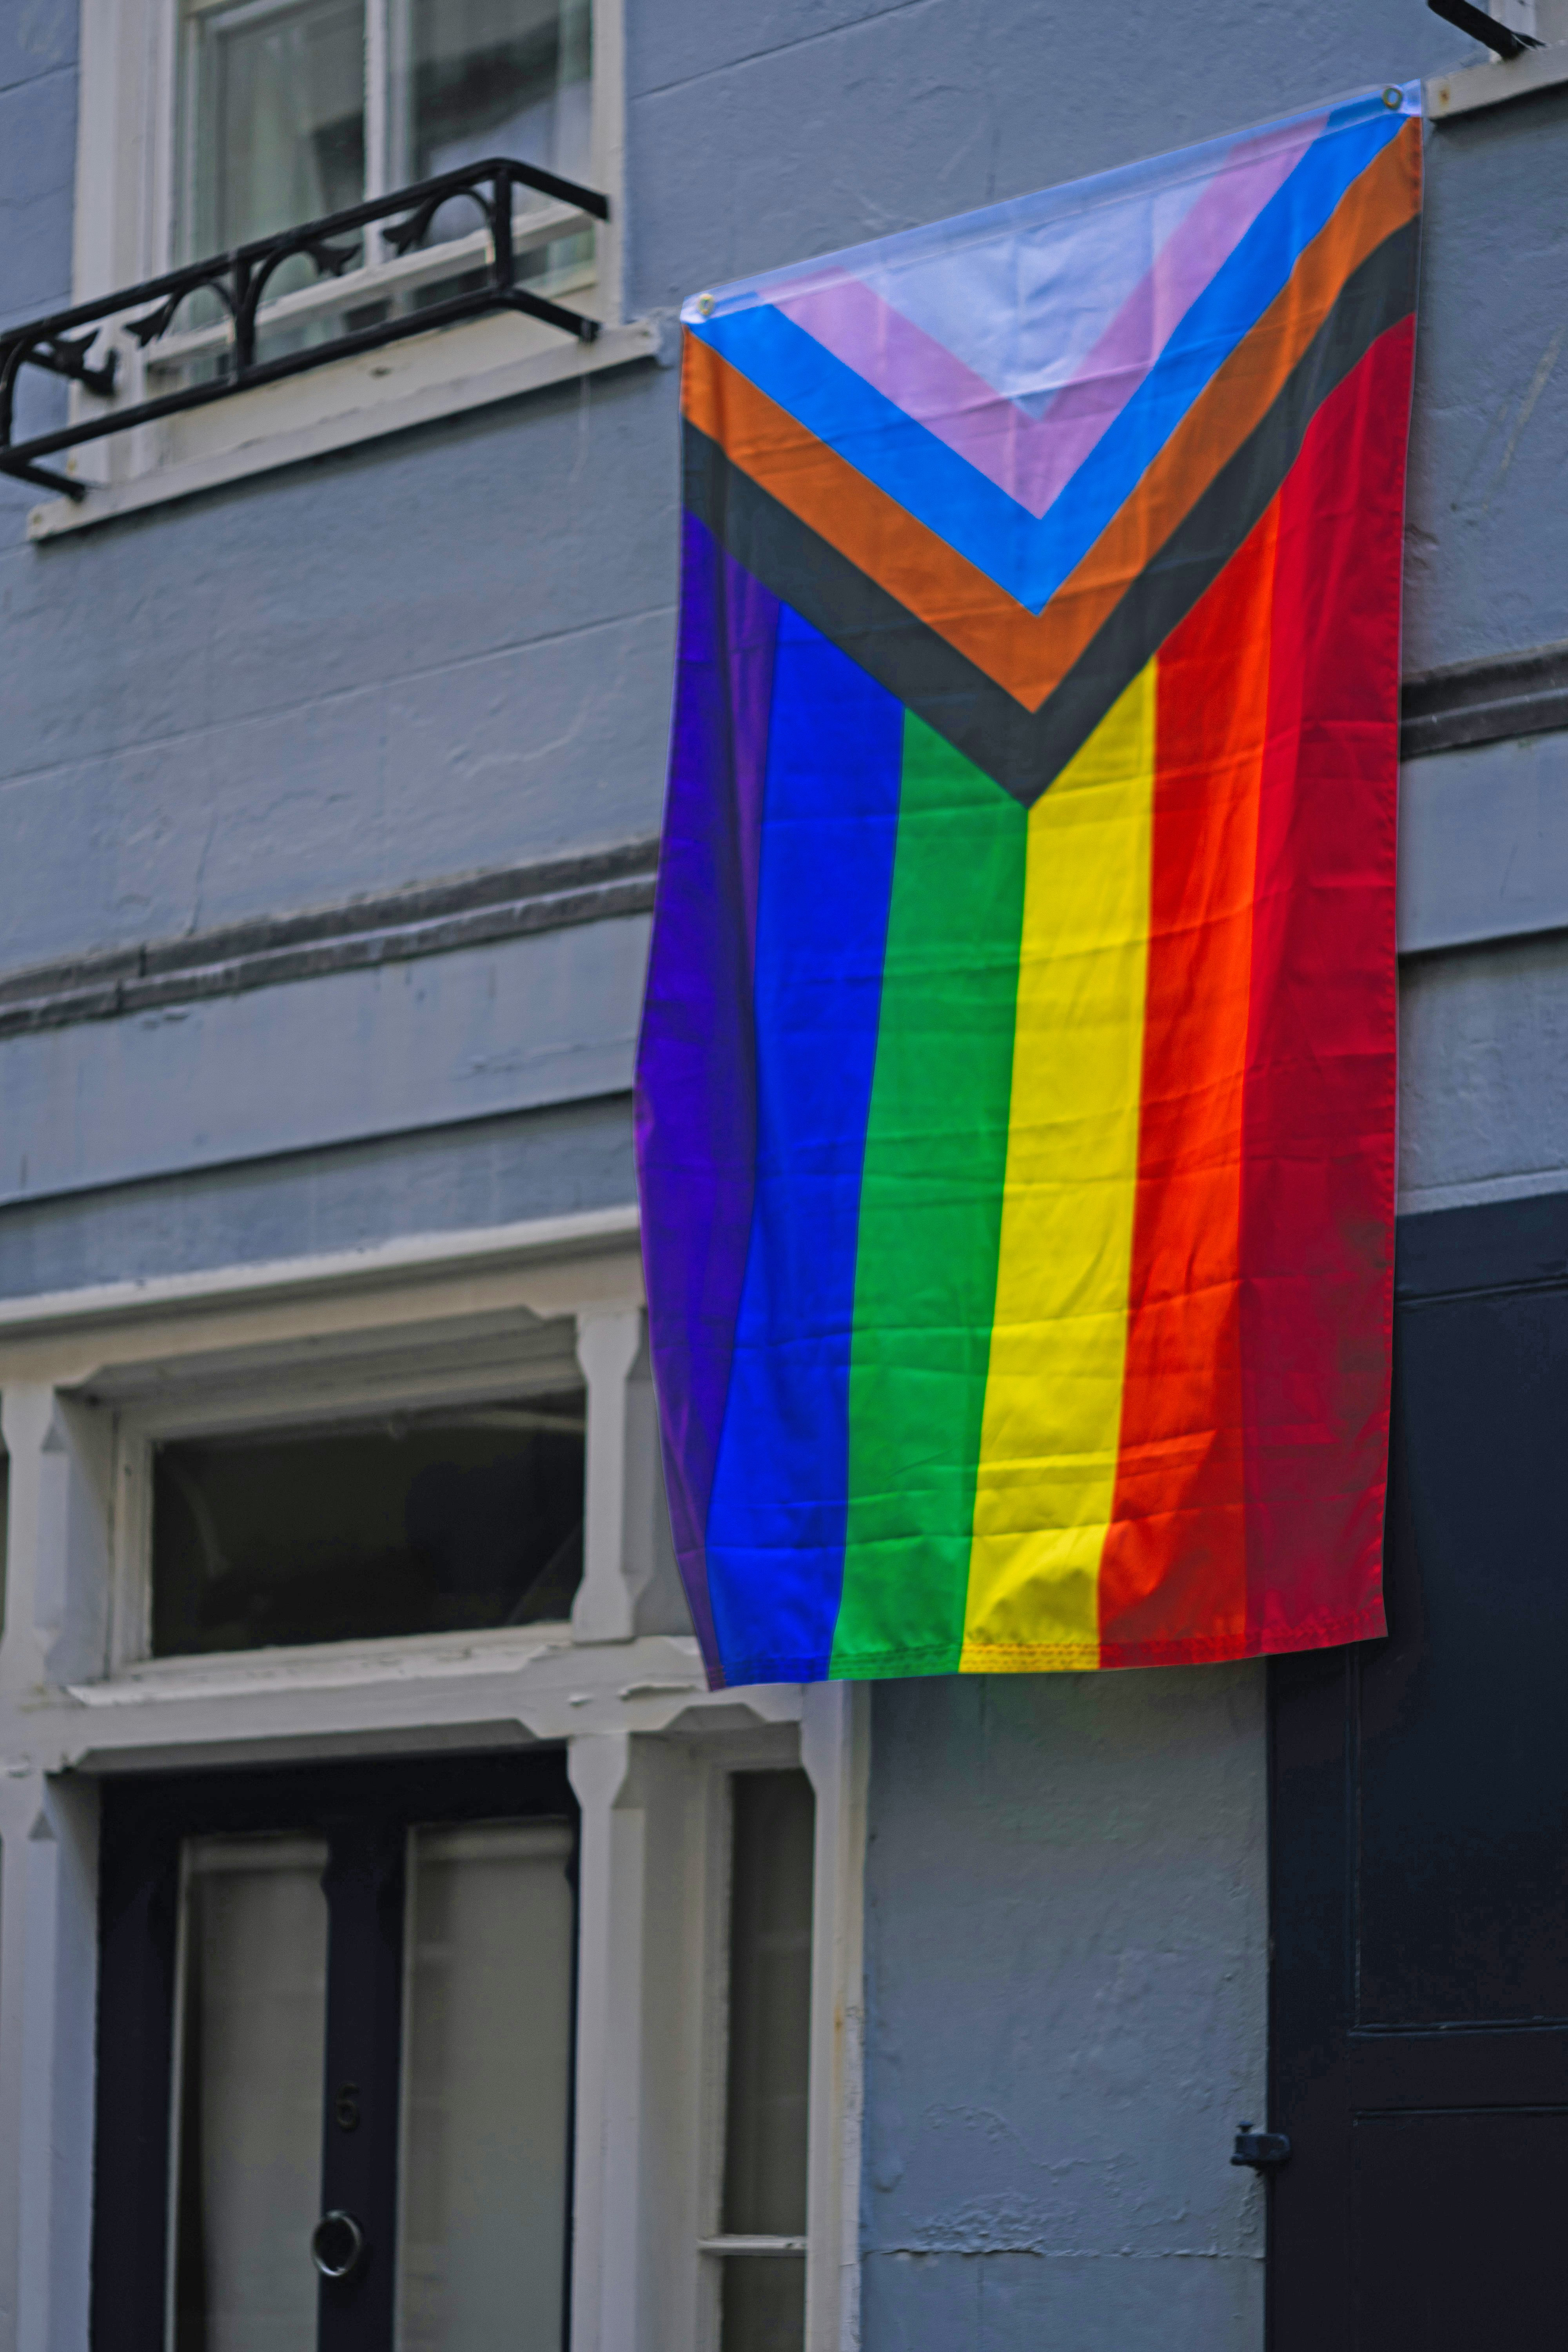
column 1419, row 1845
column 334, row 2059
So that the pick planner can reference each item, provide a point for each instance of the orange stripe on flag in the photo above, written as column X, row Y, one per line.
column 1175, row 1556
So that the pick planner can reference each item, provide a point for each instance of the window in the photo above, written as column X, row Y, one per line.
column 419, row 1523
column 272, row 119
column 510, row 1945
column 392, row 1496
column 292, row 109
column 205, row 122
column 336, row 2011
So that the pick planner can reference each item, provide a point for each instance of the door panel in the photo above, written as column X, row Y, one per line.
column 253, row 1973
column 488, row 2044
column 1419, row 1851
column 1455, row 2228
column 251, row 2024
column 1462, row 1776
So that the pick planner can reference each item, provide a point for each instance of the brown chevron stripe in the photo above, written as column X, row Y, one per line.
column 1024, row 751
column 1029, row 654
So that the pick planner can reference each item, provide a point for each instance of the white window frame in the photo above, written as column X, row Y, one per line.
column 124, row 233
column 87, row 1382
column 288, row 1401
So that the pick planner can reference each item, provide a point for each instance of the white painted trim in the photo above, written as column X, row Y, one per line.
column 750, row 2245
column 478, row 1250
column 611, row 1904
column 651, row 1748
column 836, row 1751
column 607, row 146
column 47, row 2013
column 130, row 1554
column 453, row 395
column 377, row 107
column 652, row 2025
column 1470, row 88
column 195, row 1406
column 391, row 1698
column 607, row 1347
column 90, row 1377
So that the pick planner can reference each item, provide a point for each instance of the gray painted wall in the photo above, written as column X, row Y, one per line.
column 1483, row 843
column 452, row 650
column 433, row 1043
column 1067, row 1924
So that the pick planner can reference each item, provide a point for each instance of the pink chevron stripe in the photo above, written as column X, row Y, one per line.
column 1033, row 459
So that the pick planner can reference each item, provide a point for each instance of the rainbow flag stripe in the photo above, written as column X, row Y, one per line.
column 1016, row 1088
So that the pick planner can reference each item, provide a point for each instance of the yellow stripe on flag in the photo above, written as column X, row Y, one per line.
column 1052, row 1420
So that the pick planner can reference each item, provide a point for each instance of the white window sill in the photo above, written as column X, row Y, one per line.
column 347, row 402
column 392, row 1697
column 1468, row 90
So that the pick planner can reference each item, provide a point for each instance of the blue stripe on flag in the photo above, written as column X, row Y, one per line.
column 1028, row 558
column 777, row 1519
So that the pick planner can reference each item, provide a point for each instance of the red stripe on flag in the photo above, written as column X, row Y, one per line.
column 1173, row 1581
column 1317, row 1222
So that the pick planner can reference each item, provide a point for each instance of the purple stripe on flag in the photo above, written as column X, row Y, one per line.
column 1032, row 458
column 696, row 1086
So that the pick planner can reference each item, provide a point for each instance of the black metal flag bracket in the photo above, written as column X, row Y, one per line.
column 1502, row 39
column 79, row 344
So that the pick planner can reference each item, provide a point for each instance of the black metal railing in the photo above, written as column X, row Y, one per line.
column 76, row 343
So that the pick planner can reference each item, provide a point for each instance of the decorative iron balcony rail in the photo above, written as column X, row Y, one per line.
column 79, row 345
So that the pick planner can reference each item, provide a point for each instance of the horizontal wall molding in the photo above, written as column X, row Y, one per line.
column 1440, row 711
column 474, row 911
column 1484, row 701
column 476, row 1253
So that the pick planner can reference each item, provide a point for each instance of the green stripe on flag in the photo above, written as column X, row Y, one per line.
column 931, row 1212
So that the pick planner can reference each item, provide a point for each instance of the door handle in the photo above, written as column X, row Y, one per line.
column 337, row 2245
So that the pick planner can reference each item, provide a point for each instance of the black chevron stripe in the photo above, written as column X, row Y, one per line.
column 1026, row 751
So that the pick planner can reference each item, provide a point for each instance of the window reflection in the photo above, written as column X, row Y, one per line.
column 275, row 101
column 427, row 1522
column 496, row 78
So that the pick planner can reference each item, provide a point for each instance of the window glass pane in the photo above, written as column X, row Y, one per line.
column 770, row 2007
column 250, row 2106
column 425, row 1524
column 487, row 2084
column 478, row 77
column 274, row 118
column 763, row 2302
